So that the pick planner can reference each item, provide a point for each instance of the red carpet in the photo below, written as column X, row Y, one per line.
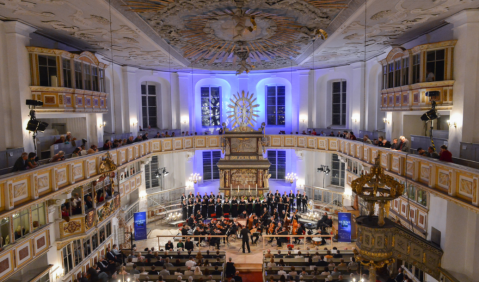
column 251, row 277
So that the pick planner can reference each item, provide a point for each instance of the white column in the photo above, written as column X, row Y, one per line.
column 143, row 205
column 131, row 98
column 16, row 66
column 466, row 75
column 303, row 89
column 355, row 99
column 175, row 101
column 184, row 104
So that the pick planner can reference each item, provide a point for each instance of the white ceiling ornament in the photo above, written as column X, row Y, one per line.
column 388, row 23
column 85, row 24
column 212, row 34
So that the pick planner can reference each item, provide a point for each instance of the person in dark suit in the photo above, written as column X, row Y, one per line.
column 230, row 268
column 189, row 245
column 102, row 264
column 21, row 162
column 237, row 278
column 321, row 262
column 337, row 254
column 216, row 271
column 169, row 246
column 153, row 271
column 400, row 276
column 111, row 256
column 245, row 238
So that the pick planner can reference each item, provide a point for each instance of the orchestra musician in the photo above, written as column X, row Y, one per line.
column 264, row 205
column 249, row 205
column 190, row 206
column 198, row 216
column 191, row 221
column 299, row 231
column 204, row 207
column 226, row 206
column 234, row 208
column 241, row 206
column 219, row 208
column 184, row 209
column 245, row 238
column 211, row 207
column 197, row 206
column 257, row 207
column 291, row 199
column 280, row 206
column 299, row 198
column 305, row 202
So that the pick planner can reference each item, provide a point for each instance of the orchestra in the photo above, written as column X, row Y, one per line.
column 272, row 214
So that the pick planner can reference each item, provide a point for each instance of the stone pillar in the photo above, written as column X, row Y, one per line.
column 15, row 82
column 143, row 205
column 355, row 99
column 372, row 273
column 185, row 101
column 303, row 87
column 131, row 97
column 466, row 75
column 175, row 101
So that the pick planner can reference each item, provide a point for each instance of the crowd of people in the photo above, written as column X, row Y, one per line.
column 118, row 265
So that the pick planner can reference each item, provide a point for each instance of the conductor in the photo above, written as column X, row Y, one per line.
column 244, row 235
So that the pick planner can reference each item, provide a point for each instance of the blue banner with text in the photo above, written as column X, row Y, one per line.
column 344, row 227
column 140, row 225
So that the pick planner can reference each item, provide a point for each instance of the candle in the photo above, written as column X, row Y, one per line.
column 238, row 189
column 249, row 188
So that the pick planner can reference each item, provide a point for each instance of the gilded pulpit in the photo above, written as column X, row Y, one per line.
column 243, row 170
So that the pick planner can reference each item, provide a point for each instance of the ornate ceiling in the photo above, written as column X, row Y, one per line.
column 233, row 35
column 226, row 34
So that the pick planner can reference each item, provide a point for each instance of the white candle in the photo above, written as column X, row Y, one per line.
column 238, row 189
column 249, row 188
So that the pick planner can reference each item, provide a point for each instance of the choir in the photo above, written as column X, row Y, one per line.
column 271, row 213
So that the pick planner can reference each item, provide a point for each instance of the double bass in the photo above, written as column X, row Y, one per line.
column 295, row 225
column 287, row 221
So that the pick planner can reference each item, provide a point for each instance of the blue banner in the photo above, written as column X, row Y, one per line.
column 140, row 225
column 344, row 227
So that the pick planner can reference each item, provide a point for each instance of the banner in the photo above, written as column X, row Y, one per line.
column 344, row 227
column 140, row 225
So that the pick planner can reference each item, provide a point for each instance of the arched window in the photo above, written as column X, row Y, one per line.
column 339, row 102
column 210, row 106
column 275, row 104
column 148, row 105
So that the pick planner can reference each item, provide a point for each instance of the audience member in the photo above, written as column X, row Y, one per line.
column 76, row 153
column 432, row 153
column 395, row 144
column 404, row 145
column 61, row 140
column 367, row 140
column 31, row 161
column 445, row 155
column 21, row 162
column 60, row 156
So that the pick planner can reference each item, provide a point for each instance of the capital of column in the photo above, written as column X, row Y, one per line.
column 19, row 28
column 464, row 17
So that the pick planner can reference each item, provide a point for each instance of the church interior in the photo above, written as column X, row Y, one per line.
column 239, row 140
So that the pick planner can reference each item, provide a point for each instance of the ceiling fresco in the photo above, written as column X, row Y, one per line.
column 233, row 35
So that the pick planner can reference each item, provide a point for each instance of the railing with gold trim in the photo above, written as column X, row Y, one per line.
column 447, row 180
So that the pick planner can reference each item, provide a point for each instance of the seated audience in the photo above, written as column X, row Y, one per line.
column 445, row 155
column 31, row 161
column 60, row 156
column 21, row 163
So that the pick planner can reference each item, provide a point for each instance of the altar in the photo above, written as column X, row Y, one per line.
column 243, row 170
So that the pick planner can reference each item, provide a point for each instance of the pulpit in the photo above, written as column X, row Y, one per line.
column 243, row 170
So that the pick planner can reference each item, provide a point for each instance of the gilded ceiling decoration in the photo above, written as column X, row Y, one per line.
column 239, row 35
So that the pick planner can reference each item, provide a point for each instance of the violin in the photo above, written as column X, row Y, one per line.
column 271, row 228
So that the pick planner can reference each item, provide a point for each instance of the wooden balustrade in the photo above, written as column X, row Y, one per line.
column 447, row 180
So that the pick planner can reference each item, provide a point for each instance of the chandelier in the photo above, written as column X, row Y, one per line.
column 291, row 177
column 195, row 177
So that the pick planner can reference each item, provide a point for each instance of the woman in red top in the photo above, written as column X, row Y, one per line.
column 445, row 155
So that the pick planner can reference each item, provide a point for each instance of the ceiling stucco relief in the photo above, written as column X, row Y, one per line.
column 87, row 21
column 387, row 21
column 239, row 35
